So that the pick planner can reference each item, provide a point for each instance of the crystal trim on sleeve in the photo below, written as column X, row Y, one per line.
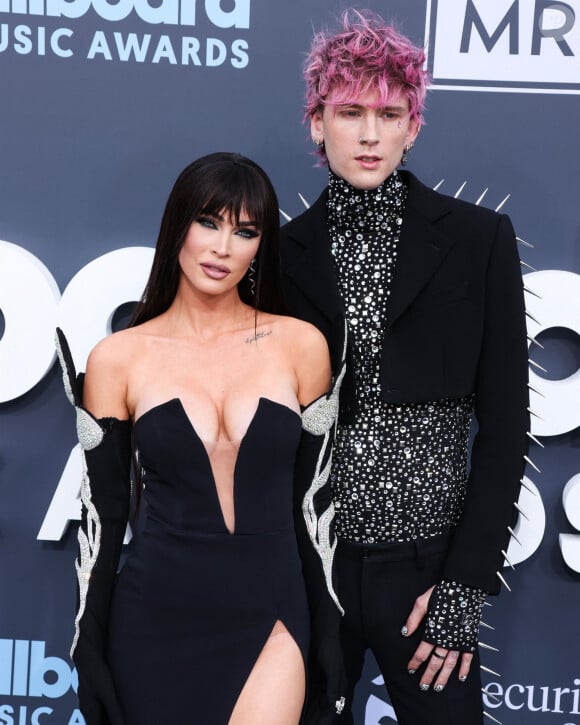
column 319, row 419
column 89, row 432
column 322, row 414
column 90, row 435
column 89, row 545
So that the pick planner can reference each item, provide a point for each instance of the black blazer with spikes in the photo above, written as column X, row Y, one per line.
column 455, row 325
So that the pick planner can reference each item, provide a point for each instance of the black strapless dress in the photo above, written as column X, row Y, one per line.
column 194, row 604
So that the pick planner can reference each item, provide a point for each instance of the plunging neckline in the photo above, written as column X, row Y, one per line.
column 177, row 402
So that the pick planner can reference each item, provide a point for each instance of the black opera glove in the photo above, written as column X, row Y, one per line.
column 105, row 494
column 454, row 616
column 314, row 515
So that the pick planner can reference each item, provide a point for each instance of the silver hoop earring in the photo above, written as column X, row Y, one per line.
column 252, row 277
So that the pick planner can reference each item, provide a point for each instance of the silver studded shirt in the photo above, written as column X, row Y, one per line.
column 399, row 471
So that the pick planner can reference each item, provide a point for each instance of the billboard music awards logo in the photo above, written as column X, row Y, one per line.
column 528, row 46
column 36, row 688
column 34, row 27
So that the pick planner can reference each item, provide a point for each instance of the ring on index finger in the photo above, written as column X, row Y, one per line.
column 439, row 655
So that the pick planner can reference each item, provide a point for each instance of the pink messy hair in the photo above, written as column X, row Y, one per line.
column 364, row 55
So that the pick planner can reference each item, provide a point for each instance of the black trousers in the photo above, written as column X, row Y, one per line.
column 377, row 586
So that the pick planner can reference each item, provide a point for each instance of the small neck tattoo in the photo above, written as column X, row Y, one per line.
column 257, row 336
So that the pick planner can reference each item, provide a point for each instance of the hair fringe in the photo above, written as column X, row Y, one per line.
column 364, row 54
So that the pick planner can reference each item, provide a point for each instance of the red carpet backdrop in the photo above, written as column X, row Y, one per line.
column 102, row 104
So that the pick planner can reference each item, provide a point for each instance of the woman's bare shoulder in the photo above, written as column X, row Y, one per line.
column 108, row 371
column 301, row 334
column 307, row 349
column 122, row 346
column 115, row 350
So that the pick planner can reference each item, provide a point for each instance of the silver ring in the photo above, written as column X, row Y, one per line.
column 362, row 139
column 439, row 656
column 339, row 705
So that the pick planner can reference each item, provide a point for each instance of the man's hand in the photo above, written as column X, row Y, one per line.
column 441, row 662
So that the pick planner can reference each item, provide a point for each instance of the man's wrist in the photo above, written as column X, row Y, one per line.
column 454, row 616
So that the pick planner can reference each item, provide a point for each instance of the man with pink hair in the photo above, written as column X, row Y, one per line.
column 431, row 292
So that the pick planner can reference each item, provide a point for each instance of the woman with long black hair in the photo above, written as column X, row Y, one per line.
column 213, row 389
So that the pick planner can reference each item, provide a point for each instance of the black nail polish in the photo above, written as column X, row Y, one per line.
column 423, row 687
column 411, row 672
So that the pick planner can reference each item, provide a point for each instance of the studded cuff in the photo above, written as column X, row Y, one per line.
column 454, row 615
